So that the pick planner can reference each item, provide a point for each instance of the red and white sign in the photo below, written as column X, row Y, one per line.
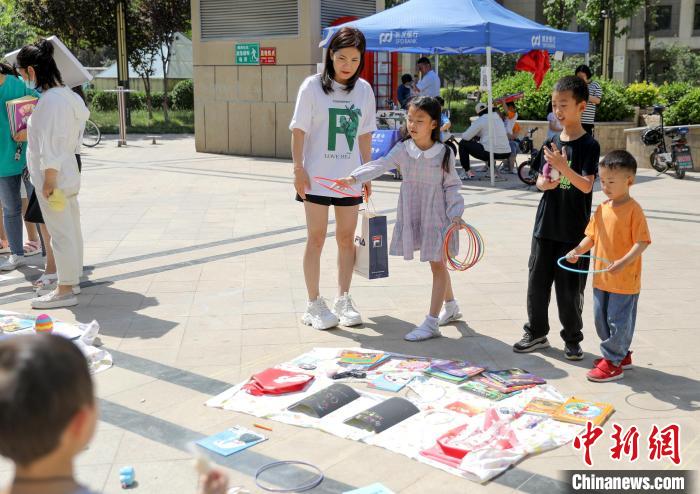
column 268, row 56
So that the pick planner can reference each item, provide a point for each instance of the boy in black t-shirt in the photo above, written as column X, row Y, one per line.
column 561, row 220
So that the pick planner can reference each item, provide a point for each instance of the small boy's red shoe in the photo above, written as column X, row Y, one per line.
column 605, row 371
column 625, row 364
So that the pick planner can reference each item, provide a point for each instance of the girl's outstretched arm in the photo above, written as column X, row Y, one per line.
column 452, row 184
column 376, row 168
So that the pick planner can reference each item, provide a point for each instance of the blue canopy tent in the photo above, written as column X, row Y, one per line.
column 460, row 26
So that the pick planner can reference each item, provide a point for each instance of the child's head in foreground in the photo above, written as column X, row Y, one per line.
column 47, row 405
column 617, row 172
column 569, row 98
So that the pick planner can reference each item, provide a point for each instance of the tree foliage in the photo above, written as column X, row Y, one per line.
column 163, row 19
column 560, row 13
column 78, row 23
column 14, row 30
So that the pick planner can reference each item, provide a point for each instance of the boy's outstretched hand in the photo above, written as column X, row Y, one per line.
column 572, row 256
column 557, row 159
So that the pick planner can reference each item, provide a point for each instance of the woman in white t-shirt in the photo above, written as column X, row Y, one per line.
column 53, row 134
column 332, row 130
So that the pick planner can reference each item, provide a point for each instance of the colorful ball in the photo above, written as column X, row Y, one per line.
column 43, row 324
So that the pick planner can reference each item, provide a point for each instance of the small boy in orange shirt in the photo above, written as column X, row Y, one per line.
column 618, row 230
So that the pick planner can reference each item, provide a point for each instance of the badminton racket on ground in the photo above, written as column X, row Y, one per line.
column 337, row 186
column 461, row 256
column 563, row 260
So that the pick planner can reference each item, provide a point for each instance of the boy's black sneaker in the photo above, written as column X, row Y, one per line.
column 530, row 344
column 572, row 351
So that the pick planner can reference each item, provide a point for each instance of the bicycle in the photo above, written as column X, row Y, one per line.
column 527, row 170
column 679, row 159
column 92, row 135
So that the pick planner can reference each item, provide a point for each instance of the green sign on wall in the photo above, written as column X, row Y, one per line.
column 248, row 54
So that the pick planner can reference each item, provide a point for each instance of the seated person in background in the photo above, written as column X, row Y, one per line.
column 480, row 150
column 510, row 120
column 445, row 126
column 554, row 127
column 404, row 93
column 48, row 415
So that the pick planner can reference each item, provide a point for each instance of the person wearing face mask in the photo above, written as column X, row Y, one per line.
column 12, row 164
column 54, row 133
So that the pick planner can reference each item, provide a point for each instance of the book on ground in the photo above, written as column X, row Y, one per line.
column 514, row 377
column 485, row 391
column 500, row 386
column 231, row 440
column 390, row 381
column 578, row 411
column 540, row 406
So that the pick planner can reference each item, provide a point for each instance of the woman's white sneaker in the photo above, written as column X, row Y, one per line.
column 318, row 315
column 449, row 312
column 53, row 300
column 48, row 289
column 344, row 309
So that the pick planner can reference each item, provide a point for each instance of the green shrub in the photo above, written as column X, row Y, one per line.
column 642, row 94
column 686, row 111
column 89, row 95
column 613, row 106
column 533, row 105
column 672, row 93
column 182, row 95
column 157, row 98
column 107, row 101
column 103, row 101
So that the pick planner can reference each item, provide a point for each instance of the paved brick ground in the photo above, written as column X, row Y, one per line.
column 197, row 282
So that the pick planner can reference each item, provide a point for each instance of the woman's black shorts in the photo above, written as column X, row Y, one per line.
column 331, row 201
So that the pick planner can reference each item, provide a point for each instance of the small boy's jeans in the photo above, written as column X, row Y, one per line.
column 615, row 315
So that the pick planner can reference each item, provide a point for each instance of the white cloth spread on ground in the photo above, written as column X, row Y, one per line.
column 492, row 422
column 83, row 335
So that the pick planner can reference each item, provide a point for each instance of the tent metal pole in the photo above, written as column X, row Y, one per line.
column 437, row 64
column 490, row 113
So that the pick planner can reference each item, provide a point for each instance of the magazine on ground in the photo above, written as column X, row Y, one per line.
column 231, row 440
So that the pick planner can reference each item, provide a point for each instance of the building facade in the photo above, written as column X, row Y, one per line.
column 249, row 61
column 677, row 22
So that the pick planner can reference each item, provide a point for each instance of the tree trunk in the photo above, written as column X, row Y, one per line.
column 648, row 26
column 149, row 97
column 165, row 57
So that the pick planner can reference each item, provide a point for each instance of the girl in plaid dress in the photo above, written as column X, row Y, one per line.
column 428, row 202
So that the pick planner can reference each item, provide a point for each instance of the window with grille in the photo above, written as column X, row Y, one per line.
column 227, row 19
column 335, row 9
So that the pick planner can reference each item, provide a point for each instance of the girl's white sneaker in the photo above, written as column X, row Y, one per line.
column 429, row 329
column 449, row 312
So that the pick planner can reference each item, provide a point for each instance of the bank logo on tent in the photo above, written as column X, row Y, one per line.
column 385, row 38
column 543, row 41
column 398, row 37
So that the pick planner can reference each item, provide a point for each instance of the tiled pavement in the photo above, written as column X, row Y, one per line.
column 197, row 282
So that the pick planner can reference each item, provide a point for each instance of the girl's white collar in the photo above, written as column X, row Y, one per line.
column 415, row 152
